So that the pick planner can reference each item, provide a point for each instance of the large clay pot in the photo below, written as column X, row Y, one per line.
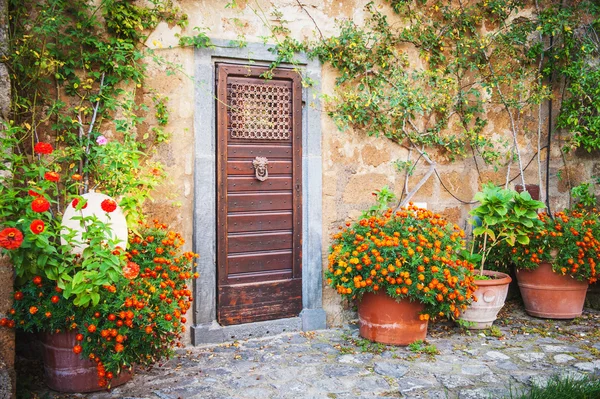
column 551, row 295
column 65, row 371
column 385, row 320
column 490, row 295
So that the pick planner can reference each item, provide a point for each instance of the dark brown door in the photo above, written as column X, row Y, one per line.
column 259, row 194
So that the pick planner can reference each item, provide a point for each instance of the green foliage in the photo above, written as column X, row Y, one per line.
column 562, row 387
column 584, row 194
column 420, row 347
column 201, row 40
column 384, row 198
column 504, row 215
column 473, row 56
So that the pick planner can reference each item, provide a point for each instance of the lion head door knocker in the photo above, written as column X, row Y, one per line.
column 260, row 168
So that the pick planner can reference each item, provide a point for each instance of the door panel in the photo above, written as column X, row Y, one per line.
column 259, row 219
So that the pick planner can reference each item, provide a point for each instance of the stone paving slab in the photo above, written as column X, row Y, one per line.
column 337, row 363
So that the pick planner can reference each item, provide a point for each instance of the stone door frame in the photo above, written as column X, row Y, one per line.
column 205, row 328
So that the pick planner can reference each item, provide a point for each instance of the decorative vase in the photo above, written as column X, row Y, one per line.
column 551, row 295
column 385, row 320
column 490, row 295
column 65, row 371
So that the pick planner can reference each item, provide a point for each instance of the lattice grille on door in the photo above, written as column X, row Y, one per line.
column 259, row 111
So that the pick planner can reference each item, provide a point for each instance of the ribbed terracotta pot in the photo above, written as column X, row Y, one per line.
column 490, row 295
column 65, row 371
column 383, row 319
column 551, row 295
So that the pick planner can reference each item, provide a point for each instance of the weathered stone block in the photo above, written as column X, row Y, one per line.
column 373, row 156
column 360, row 187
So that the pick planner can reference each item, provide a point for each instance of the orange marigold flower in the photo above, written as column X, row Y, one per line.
column 11, row 238
column 33, row 310
column 131, row 270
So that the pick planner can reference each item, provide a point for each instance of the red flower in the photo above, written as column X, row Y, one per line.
column 108, row 205
column 43, row 148
column 37, row 280
column 52, row 176
column 40, row 204
column 131, row 270
column 33, row 310
column 10, row 238
column 33, row 193
column 18, row 295
column 76, row 202
column 37, row 226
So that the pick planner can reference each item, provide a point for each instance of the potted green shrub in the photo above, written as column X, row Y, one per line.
column 502, row 219
column 554, row 270
column 402, row 269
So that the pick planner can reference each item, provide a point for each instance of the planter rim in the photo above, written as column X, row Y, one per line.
column 549, row 264
column 499, row 278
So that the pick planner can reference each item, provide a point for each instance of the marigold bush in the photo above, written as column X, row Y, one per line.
column 569, row 241
column 139, row 318
column 412, row 253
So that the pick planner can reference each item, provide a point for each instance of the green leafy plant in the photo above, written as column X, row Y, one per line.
column 384, row 198
column 420, row 347
column 584, row 194
column 503, row 216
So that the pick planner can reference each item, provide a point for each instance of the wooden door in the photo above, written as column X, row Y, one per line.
column 259, row 217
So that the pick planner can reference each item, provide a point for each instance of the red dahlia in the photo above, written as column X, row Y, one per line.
column 40, row 204
column 43, row 148
column 108, row 205
column 52, row 176
column 37, row 226
column 10, row 238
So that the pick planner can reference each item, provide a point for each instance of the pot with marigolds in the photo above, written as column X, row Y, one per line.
column 104, row 308
column 554, row 270
column 139, row 318
column 402, row 268
column 503, row 219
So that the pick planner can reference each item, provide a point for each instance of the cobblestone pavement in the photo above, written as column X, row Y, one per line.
column 337, row 363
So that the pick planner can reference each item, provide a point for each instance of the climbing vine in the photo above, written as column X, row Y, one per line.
column 433, row 78
column 77, row 68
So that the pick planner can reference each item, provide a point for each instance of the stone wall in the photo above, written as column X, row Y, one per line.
column 7, row 337
column 353, row 165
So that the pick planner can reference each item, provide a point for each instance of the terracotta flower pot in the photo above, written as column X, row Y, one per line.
column 65, row 371
column 490, row 295
column 383, row 319
column 551, row 295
